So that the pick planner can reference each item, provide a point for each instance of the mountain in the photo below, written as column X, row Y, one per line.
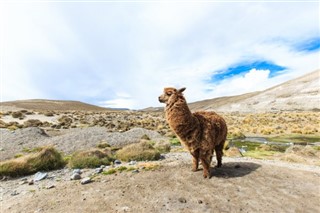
column 40, row 104
column 302, row 93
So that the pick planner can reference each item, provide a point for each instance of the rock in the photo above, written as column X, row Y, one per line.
column 31, row 182
column 117, row 162
column 78, row 171
column 50, row 186
column 40, row 176
column 14, row 193
column 86, row 180
column 182, row 200
column 133, row 162
column 200, row 201
column 98, row 170
column 75, row 176
column 135, row 171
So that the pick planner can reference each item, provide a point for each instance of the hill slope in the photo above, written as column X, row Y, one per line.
column 40, row 104
column 302, row 93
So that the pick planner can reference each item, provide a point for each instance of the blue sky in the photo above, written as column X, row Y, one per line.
column 122, row 54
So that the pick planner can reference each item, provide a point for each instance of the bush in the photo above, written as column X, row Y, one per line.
column 46, row 159
column 90, row 158
column 163, row 146
column 175, row 142
column 139, row 151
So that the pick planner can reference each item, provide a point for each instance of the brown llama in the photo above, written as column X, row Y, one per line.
column 201, row 132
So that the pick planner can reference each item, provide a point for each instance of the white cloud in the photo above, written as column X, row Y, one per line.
column 122, row 55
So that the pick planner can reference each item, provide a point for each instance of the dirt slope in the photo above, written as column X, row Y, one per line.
column 302, row 93
column 241, row 185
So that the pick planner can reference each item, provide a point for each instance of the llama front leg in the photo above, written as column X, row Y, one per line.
column 195, row 160
column 206, row 167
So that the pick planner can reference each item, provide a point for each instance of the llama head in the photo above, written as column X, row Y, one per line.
column 171, row 94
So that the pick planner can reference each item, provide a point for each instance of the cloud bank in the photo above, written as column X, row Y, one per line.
column 122, row 54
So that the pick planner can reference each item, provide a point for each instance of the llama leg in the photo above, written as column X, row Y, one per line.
column 219, row 153
column 195, row 160
column 206, row 167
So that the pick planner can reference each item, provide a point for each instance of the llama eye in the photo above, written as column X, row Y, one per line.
column 169, row 93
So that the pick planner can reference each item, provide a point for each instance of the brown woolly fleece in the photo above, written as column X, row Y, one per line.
column 201, row 132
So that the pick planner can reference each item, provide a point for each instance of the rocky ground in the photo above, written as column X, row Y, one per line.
column 167, row 185
column 241, row 185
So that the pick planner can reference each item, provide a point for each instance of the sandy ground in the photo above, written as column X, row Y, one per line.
column 241, row 185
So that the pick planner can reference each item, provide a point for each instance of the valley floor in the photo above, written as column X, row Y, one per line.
column 241, row 185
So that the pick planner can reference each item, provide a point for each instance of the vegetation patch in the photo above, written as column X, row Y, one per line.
column 109, row 172
column 139, row 151
column 103, row 145
column 175, row 142
column 46, row 159
column 90, row 158
column 260, row 154
column 303, row 139
column 163, row 146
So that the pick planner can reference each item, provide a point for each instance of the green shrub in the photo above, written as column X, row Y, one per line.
column 109, row 172
column 46, row 159
column 90, row 159
column 139, row 151
column 175, row 142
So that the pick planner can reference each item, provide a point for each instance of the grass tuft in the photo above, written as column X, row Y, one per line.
column 46, row 159
column 140, row 152
column 90, row 158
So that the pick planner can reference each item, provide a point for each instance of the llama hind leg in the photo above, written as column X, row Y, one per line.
column 219, row 153
column 195, row 160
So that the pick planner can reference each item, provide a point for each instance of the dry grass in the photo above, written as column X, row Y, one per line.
column 46, row 159
column 90, row 158
column 139, row 151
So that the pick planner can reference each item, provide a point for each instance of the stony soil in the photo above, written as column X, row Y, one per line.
column 241, row 185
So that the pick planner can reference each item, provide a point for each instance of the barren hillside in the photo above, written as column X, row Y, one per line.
column 40, row 104
column 302, row 93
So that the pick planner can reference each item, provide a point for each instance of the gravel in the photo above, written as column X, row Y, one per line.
column 13, row 142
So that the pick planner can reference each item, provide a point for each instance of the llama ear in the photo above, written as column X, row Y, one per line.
column 182, row 89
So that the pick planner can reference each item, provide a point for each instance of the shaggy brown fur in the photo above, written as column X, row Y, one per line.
column 201, row 132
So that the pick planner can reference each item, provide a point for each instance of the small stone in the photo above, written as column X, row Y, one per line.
column 102, row 166
column 77, row 171
column 40, row 176
column 182, row 200
column 117, row 162
column 50, row 186
column 135, row 171
column 31, row 182
column 14, row 193
column 75, row 176
column 200, row 201
column 23, row 182
column 86, row 180
column 98, row 170
column 133, row 162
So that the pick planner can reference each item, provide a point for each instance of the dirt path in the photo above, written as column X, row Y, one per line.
column 241, row 185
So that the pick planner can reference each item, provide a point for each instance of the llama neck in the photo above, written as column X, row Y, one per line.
column 178, row 115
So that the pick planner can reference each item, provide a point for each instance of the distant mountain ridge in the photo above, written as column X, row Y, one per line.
column 43, row 104
column 302, row 93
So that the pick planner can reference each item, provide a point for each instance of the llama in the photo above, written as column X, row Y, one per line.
column 201, row 132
